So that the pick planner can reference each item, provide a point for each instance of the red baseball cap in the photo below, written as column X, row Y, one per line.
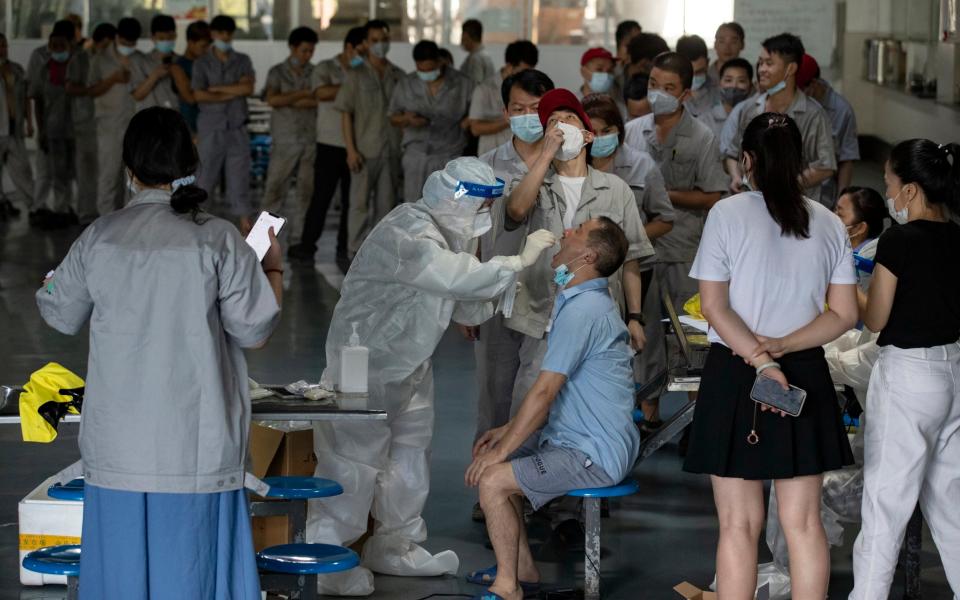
column 560, row 98
column 593, row 53
column 807, row 71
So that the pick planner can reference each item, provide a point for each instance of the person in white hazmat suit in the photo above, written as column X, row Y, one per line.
column 414, row 273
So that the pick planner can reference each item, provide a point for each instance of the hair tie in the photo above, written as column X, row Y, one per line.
column 177, row 183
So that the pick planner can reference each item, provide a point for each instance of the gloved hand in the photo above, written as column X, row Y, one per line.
column 537, row 242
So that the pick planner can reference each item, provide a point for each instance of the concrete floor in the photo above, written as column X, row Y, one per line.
column 662, row 536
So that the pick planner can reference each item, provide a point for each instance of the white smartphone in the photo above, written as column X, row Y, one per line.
column 259, row 236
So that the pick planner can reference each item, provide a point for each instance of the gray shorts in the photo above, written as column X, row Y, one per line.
column 547, row 472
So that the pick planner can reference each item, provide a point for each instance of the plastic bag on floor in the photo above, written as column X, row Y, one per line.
column 778, row 582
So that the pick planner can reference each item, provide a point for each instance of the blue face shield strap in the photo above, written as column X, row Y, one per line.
column 479, row 190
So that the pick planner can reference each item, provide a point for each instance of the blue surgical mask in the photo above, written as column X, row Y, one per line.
column 429, row 76
column 698, row 81
column 125, row 50
column 604, row 145
column 295, row 61
column 380, row 49
column 164, row 46
column 60, row 57
column 562, row 274
column 222, row 46
column 527, row 128
column 601, row 82
column 356, row 61
column 777, row 88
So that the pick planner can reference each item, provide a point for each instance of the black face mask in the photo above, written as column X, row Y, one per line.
column 734, row 96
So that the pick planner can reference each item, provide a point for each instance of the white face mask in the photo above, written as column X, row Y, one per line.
column 482, row 223
column 900, row 216
column 132, row 185
column 662, row 103
column 573, row 142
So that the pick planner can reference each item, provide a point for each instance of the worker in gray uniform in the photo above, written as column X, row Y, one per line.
column 15, row 121
column 113, row 107
column 151, row 83
column 291, row 89
column 222, row 80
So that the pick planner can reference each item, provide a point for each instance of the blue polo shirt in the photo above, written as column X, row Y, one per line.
column 590, row 345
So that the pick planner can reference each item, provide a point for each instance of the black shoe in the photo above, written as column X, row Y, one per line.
column 570, row 533
column 40, row 218
column 302, row 252
column 7, row 209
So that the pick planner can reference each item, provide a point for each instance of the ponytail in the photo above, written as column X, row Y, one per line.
column 934, row 167
column 186, row 199
column 774, row 144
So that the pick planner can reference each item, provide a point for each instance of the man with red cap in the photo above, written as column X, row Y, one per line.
column 597, row 70
column 843, row 124
column 559, row 192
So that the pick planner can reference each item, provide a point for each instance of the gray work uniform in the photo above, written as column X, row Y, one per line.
column 164, row 92
column 615, row 94
column 715, row 118
column 113, row 111
column 293, row 148
column 689, row 159
column 478, row 67
column 13, row 152
column 429, row 148
column 818, row 150
column 171, row 304
column 85, row 133
column 729, row 130
column 843, row 124
column 602, row 195
column 703, row 100
column 41, row 185
column 223, row 141
column 55, row 130
column 375, row 188
column 638, row 169
column 486, row 104
column 499, row 351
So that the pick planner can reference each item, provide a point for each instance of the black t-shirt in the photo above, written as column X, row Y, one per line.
column 925, row 257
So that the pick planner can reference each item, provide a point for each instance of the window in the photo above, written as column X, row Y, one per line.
column 333, row 18
column 257, row 19
column 111, row 11
column 503, row 20
column 35, row 18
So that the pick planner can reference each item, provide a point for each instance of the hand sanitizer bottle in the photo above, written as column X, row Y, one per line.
column 354, row 360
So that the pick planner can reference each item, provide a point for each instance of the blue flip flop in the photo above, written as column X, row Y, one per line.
column 486, row 577
column 488, row 595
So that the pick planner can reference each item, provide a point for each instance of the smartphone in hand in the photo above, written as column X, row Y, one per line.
column 768, row 391
column 259, row 236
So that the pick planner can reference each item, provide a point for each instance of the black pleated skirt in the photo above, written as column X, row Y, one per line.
column 812, row 443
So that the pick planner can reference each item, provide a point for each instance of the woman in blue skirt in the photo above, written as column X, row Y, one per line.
column 172, row 296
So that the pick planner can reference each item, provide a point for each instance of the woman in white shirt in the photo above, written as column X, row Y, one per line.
column 768, row 262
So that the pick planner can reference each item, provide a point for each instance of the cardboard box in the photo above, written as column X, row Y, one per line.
column 692, row 592
column 46, row 521
column 272, row 453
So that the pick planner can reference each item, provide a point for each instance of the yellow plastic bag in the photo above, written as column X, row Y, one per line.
column 42, row 405
column 692, row 306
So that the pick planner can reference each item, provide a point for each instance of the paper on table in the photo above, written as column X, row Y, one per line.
column 698, row 324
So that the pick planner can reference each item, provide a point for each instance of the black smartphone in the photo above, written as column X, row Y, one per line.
column 768, row 391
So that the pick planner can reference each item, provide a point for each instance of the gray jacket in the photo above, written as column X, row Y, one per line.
column 171, row 303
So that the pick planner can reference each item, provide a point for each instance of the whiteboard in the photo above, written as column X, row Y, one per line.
column 815, row 21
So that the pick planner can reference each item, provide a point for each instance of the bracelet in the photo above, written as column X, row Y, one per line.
column 638, row 317
column 766, row 366
column 273, row 271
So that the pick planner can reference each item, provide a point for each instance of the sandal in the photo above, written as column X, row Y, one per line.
column 486, row 577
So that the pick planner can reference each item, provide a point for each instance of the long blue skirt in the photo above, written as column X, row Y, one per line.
column 144, row 546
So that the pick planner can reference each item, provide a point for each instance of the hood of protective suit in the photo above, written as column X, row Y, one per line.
column 451, row 205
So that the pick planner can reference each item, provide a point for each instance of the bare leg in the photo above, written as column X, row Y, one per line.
column 798, row 502
column 505, row 526
column 526, row 569
column 740, row 510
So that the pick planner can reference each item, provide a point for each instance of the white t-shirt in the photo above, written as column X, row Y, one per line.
column 778, row 283
column 572, row 188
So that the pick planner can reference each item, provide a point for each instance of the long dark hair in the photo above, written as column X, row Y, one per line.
column 868, row 207
column 158, row 149
column 773, row 142
column 935, row 168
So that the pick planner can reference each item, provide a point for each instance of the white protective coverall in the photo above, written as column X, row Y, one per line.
column 412, row 275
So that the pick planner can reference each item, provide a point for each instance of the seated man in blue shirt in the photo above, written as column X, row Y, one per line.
column 582, row 398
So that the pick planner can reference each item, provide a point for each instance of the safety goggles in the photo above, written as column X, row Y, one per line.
column 479, row 190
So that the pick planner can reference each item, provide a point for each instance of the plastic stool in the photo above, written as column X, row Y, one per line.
column 591, row 516
column 296, row 491
column 57, row 560
column 73, row 490
column 294, row 567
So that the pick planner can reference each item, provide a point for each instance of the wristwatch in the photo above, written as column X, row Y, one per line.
column 638, row 317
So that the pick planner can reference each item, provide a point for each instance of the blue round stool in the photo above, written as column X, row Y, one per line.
column 72, row 490
column 591, row 516
column 302, row 488
column 294, row 567
column 57, row 560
